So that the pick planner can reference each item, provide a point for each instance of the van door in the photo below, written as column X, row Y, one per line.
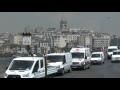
column 64, row 62
column 35, row 69
column 102, row 57
column 87, row 59
column 41, row 70
column 68, row 64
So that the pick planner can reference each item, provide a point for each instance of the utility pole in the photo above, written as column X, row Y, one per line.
column 45, row 68
column 102, row 29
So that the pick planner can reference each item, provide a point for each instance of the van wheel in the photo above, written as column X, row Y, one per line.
column 89, row 66
column 70, row 69
column 62, row 72
column 103, row 62
column 83, row 67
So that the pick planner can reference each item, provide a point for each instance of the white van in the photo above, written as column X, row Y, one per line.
column 81, row 58
column 28, row 67
column 62, row 61
column 115, row 56
column 97, row 57
column 110, row 50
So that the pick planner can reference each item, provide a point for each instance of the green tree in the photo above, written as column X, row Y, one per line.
column 52, row 50
column 66, row 48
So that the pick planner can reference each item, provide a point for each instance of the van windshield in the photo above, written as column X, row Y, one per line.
column 55, row 58
column 77, row 55
column 116, row 53
column 21, row 65
column 95, row 55
column 111, row 50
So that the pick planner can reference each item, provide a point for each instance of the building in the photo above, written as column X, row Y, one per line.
column 17, row 39
column 60, row 40
column 102, row 40
column 86, row 40
column 115, row 41
column 63, row 24
column 2, row 42
column 72, row 37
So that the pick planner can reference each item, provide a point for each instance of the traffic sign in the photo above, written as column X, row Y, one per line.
column 39, row 50
column 26, row 40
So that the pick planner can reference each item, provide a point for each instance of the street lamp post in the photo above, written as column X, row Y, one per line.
column 117, row 41
column 102, row 28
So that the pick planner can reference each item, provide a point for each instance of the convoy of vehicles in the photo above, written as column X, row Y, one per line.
column 36, row 66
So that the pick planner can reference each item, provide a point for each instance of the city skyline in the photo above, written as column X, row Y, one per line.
column 14, row 22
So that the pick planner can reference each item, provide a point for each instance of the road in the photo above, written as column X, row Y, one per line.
column 107, row 70
column 3, row 64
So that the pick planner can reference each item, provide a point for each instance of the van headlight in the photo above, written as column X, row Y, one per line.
column 83, row 63
column 99, row 59
column 113, row 58
column 5, row 75
column 26, row 75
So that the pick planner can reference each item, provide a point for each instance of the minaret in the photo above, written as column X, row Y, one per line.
column 63, row 23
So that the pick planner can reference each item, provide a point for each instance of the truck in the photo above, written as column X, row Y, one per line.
column 29, row 67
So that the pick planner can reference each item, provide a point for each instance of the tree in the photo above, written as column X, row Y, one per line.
column 52, row 50
column 66, row 48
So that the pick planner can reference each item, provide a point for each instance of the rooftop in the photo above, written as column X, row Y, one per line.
column 28, row 58
column 57, row 54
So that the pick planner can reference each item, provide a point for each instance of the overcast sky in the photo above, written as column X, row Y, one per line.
column 17, row 21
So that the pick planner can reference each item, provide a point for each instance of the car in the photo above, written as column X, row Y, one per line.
column 97, row 58
column 115, row 56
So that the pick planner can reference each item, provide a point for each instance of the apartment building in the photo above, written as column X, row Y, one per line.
column 60, row 40
column 17, row 39
column 102, row 40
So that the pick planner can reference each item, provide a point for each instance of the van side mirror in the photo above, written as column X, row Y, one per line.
column 6, row 68
column 85, row 57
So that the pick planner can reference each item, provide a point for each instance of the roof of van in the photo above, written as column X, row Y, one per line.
column 97, row 52
column 77, row 49
column 28, row 58
column 112, row 47
column 57, row 54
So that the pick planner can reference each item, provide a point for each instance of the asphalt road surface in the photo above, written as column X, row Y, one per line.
column 107, row 70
